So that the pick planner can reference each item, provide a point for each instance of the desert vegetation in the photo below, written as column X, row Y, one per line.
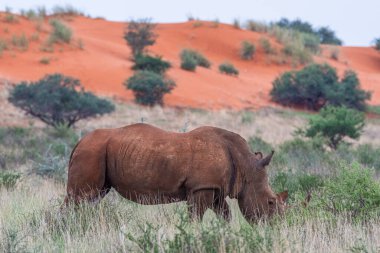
column 36, row 158
column 317, row 85
column 377, row 44
column 149, row 87
column 139, row 35
column 228, row 68
column 325, row 34
column 58, row 100
column 190, row 59
column 247, row 50
column 149, row 82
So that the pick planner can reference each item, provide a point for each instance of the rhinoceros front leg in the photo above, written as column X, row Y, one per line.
column 199, row 201
column 222, row 209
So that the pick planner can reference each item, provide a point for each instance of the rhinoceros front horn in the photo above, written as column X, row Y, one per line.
column 266, row 160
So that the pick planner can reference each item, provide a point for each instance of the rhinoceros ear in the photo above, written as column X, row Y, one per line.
column 266, row 160
column 258, row 155
column 283, row 195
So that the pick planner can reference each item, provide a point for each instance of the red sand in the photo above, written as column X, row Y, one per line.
column 104, row 63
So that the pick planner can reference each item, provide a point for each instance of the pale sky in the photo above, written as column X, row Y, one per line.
column 355, row 22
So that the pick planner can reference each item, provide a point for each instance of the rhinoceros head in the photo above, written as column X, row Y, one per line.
column 257, row 199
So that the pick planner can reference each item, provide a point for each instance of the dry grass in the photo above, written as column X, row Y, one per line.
column 30, row 221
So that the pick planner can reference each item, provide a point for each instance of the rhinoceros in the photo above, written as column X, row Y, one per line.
column 148, row 165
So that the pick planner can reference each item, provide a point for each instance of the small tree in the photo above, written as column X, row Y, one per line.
column 58, row 100
column 247, row 50
column 335, row 123
column 139, row 35
column 149, row 87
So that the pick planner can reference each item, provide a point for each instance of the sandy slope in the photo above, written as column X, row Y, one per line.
column 104, row 63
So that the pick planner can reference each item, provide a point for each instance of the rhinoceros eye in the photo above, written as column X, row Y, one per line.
column 271, row 202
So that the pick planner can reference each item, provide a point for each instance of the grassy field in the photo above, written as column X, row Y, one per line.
column 343, row 215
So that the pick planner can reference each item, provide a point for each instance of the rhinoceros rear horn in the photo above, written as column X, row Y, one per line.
column 266, row 160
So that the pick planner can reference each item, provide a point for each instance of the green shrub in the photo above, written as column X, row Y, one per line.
column 58, row 100
column 298, row 182
column 247, row 50
column 327, row 36
column 150, row 63
column 149, row 87
column 348, row 93
column 20, row 42
column 140, row 34
column 266, row 46
column 311, row 42
column 60, row 33
column 8, row 179
column 228, row 68
column 189, row 56
column 188, row 63
column 335, row 123
column 354, row 191
column 317, row 85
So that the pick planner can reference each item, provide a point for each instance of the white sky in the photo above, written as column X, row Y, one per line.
column 355, row 22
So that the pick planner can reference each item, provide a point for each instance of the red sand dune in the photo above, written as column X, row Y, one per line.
column 104, row 63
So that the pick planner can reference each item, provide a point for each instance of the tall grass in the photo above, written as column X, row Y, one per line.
column 29, row 211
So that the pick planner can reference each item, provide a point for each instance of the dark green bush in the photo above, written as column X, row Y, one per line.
column 200, row 60
column 228, row 68
column 247, row 50
column 335, row 123
column 140, row 34
column 58, row 100
column 150, row 63
column 348, row 93
column 327, row 36
column 149, row 87
column 316, row 85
